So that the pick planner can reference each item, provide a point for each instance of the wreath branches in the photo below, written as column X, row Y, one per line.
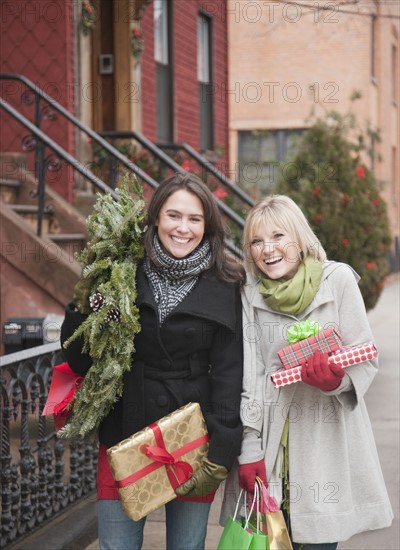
column 109, row 263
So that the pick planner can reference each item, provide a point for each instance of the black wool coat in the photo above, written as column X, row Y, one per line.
column 196, row 355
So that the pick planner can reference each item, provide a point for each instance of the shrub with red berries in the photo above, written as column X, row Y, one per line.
column 340, row 197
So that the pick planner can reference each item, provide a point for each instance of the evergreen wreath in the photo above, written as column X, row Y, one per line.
column 109, row 263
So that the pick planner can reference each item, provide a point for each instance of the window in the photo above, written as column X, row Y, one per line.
column 261, row 157
column 204, row 76
column 162, row 56
column 161, row 53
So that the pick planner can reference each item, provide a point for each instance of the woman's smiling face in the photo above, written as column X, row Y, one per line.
column 274, row 252
column 181, row 224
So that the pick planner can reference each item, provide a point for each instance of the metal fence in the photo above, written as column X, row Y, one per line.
column 40, row 474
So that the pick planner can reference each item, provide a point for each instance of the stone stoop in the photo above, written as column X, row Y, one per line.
column 62, row 223
column 38, row 274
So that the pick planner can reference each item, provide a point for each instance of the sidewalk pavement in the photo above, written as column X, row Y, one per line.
column 383, row 406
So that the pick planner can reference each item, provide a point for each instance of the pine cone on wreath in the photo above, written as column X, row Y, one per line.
column 114, row 315
column 97, row 301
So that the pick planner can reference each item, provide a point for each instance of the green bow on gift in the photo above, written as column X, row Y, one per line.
column 302, row 330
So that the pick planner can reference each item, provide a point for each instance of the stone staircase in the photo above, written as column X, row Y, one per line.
column 60, row 221
column 38, row 273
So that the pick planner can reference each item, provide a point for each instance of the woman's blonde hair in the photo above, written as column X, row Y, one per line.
column 282, row 212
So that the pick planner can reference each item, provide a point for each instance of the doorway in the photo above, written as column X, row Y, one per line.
column 111, row 66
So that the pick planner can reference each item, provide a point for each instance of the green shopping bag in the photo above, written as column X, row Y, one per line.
column 240, row 535
column 260, row 540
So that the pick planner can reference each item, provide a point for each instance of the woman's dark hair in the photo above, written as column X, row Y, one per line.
column 225, row 267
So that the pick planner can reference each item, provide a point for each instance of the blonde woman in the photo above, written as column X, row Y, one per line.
column 312, row 441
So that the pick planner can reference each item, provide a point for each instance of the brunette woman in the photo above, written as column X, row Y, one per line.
column 189, row 349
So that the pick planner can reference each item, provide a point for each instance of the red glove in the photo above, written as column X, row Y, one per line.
column 248, row 474
column 317, row 372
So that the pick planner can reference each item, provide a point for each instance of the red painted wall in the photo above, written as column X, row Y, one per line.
column 186, row 90
column 37, row 42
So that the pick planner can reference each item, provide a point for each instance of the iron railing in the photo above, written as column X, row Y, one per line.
column 40, row 474
column 209, row 168
column 44, row 103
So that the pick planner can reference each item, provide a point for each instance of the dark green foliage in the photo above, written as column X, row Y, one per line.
column 340, row 197
column 109, row 264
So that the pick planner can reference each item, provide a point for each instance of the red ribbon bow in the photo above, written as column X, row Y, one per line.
column 178, row 471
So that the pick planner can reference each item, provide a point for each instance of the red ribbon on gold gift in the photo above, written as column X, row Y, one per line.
column 178, row 471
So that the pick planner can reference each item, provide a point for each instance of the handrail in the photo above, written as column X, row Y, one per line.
column 231, row 214
column 115, row 134
column 219, row 175
column 200, row 159
column 82, row 169
column 86, row 129
column 113, row 152
column 25, row 354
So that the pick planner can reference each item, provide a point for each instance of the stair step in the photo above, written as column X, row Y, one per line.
column 29, row 212
column 9, row 190
column 62, row 237
column 72, row 243
column 17, row 159
column 28, row 209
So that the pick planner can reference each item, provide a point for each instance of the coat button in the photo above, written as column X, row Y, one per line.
column 190, row 332
column 165, row 363
column 162, row 400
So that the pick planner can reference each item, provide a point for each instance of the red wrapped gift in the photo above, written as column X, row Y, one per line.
column 345, row 357
column 327, row 341
column 64, row 383
column 151, row 464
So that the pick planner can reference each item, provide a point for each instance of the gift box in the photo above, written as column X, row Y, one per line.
column 327, row 341
column 345, row 357
column 149, row 465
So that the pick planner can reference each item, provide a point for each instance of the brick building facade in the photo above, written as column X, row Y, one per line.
column 288, row 59
column 96, row 76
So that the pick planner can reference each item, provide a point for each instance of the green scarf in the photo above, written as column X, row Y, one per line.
column 294, row 295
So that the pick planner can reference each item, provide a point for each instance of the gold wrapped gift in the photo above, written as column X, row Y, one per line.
column 149, row 465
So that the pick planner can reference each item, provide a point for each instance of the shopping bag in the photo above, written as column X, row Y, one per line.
column 271, row 521
column 277, row 532
column 64, row 383
column 235, row 536
column 240, row 535
column 260, row 540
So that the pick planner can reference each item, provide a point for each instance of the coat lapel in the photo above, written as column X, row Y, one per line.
column 144, row 293
column 210, row 299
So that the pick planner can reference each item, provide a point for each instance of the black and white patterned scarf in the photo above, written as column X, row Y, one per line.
column 172, row 279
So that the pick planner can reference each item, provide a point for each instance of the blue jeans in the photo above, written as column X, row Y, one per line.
column 321, row 546
column 186, row 524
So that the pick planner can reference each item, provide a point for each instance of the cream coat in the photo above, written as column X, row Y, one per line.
column 336, row 483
